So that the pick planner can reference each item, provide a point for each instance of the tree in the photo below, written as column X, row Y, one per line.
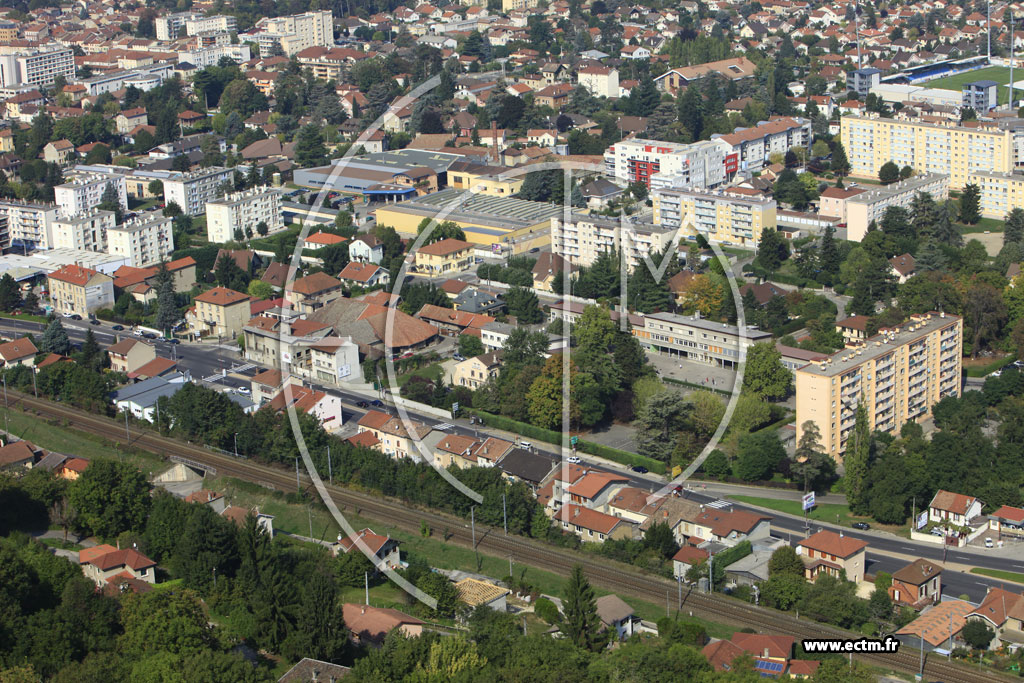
column 785, row 561
column 1013, row 231
column 644, row 98
column 110, row 497
column 943, row 231
column 706, row 412
column 858, row 454
column 772, row 250
column 580, row 622
column 758, row 455
column 166, row 300
column 55, row 339
column 840, row 165
column 970, row 204
column 309, row 147
column 658, row 422
column 164, row 621
column 320, row 629
column 258, row 289
column 889, row 173
column 978, row 634
column 110, row 200
column 984, row 315
column 765, row 375
column 470, row 346
column 10, row 293
column 879, row 605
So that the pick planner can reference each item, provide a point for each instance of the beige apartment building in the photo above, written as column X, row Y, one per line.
column 474, row 372
column 76, row 290
column 444, row 257
column 587, row 237
column 695, row 338
column 899, row 374
column 220, row 311
column 719, row 215
column 1000, row 192
column 870, row 205
column 956, row 151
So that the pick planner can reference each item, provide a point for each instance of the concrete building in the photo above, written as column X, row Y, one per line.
column 220, row 311
column 980, row 96
column 587, row 236
column 144, row 78
column 870, row 205
column 600, row 81
column 296, row 32
column 862, row 80
column 203, row 57
column 753, row 146
column 172, row 26
column 243, row 211
column 1000, row 192
column 79, row 291
column 444, row 257
column 143, row 241
column 956, row 151
column 899, row 375
column 85, row 192
column 37, row 67
column 700, row 164
column 30, row 226
column 191, row 191
column 87, row 230
column 719, row 215
column 695, row 338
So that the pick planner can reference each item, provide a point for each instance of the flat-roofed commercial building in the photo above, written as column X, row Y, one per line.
column 586, row 237
column 243, row 211
column 719, row 215
column 695, row 338
column 956, row 151
column 899, row 374
column 870, row 205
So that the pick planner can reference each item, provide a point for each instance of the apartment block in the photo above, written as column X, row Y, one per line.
column 1000, row 192
column 144, row 78
column 956, row 151
column 583, row 239
column 203, row 24
column 39, row 67
column 85, row 192
column 719, row 215
column 86, row 231
column 30, row 226
column 778, row 135
column 191, row 191
column 510, row 5
column 899, row 374
column 243, row 211
column 697, row 339
column 600, row 81
column 172, row 26
column 144, row 241
column 870, row 205
column 296, row 32
column 78, row 290
column 701, row 164
column 980, row 95
column 203, row 57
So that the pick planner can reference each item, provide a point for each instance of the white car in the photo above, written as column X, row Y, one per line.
column 574, row 459
column 244, row 391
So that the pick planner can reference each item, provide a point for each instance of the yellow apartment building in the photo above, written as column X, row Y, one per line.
column 899, row 374
column 220, row 311
column 77, row 290
column 444, row 257
column 1000, row 192
column 956, row 151
column 720, row 216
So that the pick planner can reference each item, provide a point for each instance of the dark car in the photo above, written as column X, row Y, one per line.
column 117, row 327
column 377, row 403
column 173, row 341
column 94, row 321
column 148, row 335
column 640, row 469
column 362, row 404
column 76, row 317
column 863, row 526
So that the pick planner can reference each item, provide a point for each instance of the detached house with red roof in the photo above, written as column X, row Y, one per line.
column 1003, row 611
column 366, row 275
column 954, row 509
column 384, row 549
column 18, row 352
column 105, row 563
column 827, row 552
column 592, row 526
column 128, row 355
column 444, row 257
column 79, row 291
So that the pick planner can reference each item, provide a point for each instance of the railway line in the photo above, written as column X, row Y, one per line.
column 602, row 572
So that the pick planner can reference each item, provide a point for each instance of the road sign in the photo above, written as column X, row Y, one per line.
column 922, row 519
column 574, row 440
column 808, row 500
column 455, row 407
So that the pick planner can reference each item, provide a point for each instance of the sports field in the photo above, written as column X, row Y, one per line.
column 999, row 74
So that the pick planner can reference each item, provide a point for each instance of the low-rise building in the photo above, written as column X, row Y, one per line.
column 310, row 293
column 695, row 338
column 954, row 509
column 475, row 372
column 828, row 552
column 477, row 593
column 128, row 355
column 917, row 585
column 18, row 352
column 592, row 526
column 444, row 257
column 383, row 549
column 102, row 563
column 366, row 275
column 79, row 291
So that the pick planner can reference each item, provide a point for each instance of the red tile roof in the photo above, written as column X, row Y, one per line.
column 154, row 368
column 18, row 349
column 444, row 247
column 16, row 453
column 325, row 238
column 315, row 284
column 769, row 646
column 222, row 296
column 588, row 519
column 119, row 558
column 373, row 541
column 594, row 482
column 948, row 501
column 373, row 419
column 364, row 439
column 73, row 274
column 834, row 544
column 359, row 272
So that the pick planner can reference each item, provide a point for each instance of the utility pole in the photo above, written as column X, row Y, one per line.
column 856, row 24
column 1011, row 61
column 34, row 389
column 504, row 513
column 472, row 522
column 921, row 671
column 309, row 513
column 236, row 433
column 298, row 487
column 989, row 32
column 127, row 434
column 330, row 474
column 366, row 578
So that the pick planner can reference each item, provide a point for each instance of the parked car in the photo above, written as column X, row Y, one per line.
column 458, row 356
column 244, row 391
column 94, row 321
column 362, row 404
column 574, row 459
column 863, row 526
column 989, row 543
column 75, row 316
column 937, row 531
column 173, row 341
column 639, row 469
column 118, row 328
column 377, row 403
column 148, row 335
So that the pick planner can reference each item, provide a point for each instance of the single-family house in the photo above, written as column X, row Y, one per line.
column 833, row 553
column 955, row 509
column 18, row 352
column 384, row 549
column 917, row 585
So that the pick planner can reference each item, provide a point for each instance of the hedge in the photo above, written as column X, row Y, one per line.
column 550, row 436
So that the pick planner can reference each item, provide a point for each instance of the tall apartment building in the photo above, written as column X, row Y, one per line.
column 980, row 95
column 719, row 215
column 203, row 57
column 697, row 339
column 1000, row 192
column 172, row 26
column 899, row 374
column 86, row 231
column 30, row 225
column 38, row 67
column 701, row 164
column 583, row 239
column 957, row 151
column 192, row 190
column 242, row 211
column 144, row 241
column 296, row 32
column 86, row 191
column 754, row 146
column 509, row 5
column 871, row 204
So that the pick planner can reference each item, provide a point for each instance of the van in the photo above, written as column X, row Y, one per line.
column 525, row 444
column 988, row 543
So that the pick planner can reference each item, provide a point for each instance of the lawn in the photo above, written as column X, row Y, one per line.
column 433, row 372
column 984, row 225
column 26, row 316
column 999, row 74
column 980, row 367
column 999, row 574
column 826, row 512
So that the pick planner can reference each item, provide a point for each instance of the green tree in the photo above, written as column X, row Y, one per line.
column 164, row 621
column 658, row 423
column 110, row 497
column 840, row 165
column 772, row 250
column 978, row 634
column 320, row 628
column 858, row 455
column 580, row 622
column 970, row 204
column 55, row 339
column 10, row 293
column 765, row 375
column 470, row 346
column 110, row 200
column 166, row 300
column 758, row 456
column 888, row 173
column 524, row 305
column 309, row 147
column 1013, row 231
column 785, row 561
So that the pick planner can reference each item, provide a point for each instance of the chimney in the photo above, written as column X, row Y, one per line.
column 766, row 653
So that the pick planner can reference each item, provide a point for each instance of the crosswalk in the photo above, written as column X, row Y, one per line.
column 443, row 427
column 719, row 504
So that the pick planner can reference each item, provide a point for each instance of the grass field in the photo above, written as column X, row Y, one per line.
column 999, row 74
column 998, row 574
column 826, row 512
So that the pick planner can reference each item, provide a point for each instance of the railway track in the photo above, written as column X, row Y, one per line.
column 608, row 574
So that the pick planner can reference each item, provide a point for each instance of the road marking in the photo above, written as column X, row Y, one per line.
column 719, row 504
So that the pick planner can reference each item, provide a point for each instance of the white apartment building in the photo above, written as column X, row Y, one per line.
column 778, row 135
column 84, row 192
column 586, row 237
column 144, row 78
column 30, row 225
column 241, row 211
column 203, row 24
column 37, row 67
column 600, row 81
column 203, row 57
column 296, row 32
column 871, row 204
column 701, row 164
column 144, row 241
column 86, row 231
column 192, row 190
column 180, row 24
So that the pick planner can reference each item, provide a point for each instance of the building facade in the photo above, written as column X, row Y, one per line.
column 719, row 215
column 191, row 191
column 85, row 192
column 243, row 211
column 1001, row 193
column 701, row 164
column 695, row 338
column 296, row 32
column 30, row 225
column 871, row 204
column 144, row 241
column 79, row 291
column 39, row 67
column 899, row 375
column 86, row 231
column 754, row 146
column 587, row 237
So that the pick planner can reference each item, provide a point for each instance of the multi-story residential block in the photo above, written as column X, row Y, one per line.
column 719, row 215
column 29, row 226
column 294, row 33
column 85, row 192
column 898, row 374
column 38, row 67
column 587, row 236
column 203, row 57
column 144, row 241
column 243, row 211
column 956, row 151
column 701, row 164
column 980, row 95
column 220, row 311
column 172, row 26
column 694, row 338
column 78, row 290
column 600, row 81
column 870, row 205
column 144, row 78
column 511, row 5
column 191, row 191
column 754, row 146
column 1001, row 193
column 87, row 230
column 862, row 80
column 203, row 24
column 8, row 30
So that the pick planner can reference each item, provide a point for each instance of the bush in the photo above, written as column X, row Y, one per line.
column 546, row 610
column 716, row 465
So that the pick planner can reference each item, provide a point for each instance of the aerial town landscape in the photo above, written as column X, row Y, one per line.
column 517, row 340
